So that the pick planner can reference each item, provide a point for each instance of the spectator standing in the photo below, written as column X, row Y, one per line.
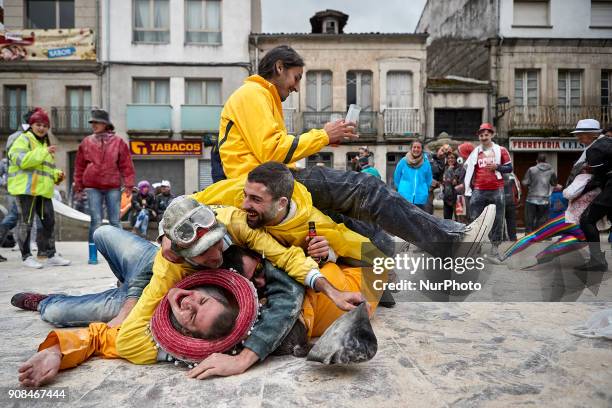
column 143, row 208
column 163, row 199
column 539, row 179
column 484, row 182
column 512, row 199
column 558, row 203
column 364, row 162
column 103, row 163
column 413, row 176
column 452, row 185
column 32, row 154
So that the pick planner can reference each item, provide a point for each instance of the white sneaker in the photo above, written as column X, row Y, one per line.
column 30, row 262
column 476, row 232
column 57, row 260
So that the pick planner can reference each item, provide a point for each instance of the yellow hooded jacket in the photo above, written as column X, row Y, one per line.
column 134, row 341
column 293, row 232
column 252, row 130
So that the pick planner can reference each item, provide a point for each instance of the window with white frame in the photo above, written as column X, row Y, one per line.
column 531, row 13
column 151, row 91
column 318, row 91
column 526, row 87
column 606, row 91
column 41, row 14
column 359, row 89
column 203, row 21
column 399, row 89
column 15, row 100
column 78, row 100
column 203, row 92
column 330, row 26
column 151, row 21
column 601, row 13
column 569, row 89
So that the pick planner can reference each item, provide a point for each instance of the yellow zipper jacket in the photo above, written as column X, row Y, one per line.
column 31, row 167
column 134, row 341
column 252, row 130
column 294, row 231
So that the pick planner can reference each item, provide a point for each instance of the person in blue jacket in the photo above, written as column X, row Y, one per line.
column 413, row 175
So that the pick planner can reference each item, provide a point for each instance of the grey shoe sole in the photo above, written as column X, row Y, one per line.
column 485, row 228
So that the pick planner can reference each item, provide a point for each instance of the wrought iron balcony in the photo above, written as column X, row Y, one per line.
column 11, row 118
column 402, row 121
column 555, row 117
column 289, row 114
column 71, row 120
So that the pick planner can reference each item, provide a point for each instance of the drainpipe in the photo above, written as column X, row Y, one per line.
column 255, row 68
column 107, row 34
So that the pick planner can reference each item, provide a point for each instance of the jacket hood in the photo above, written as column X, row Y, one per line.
column 544, row 166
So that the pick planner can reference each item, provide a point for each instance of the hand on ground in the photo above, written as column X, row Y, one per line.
column 40, row 369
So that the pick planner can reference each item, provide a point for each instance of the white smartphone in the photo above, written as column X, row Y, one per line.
column 353, row 113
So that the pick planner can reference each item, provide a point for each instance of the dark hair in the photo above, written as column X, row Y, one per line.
column 287, row 55
column 608, row 129
column 416, row 141
column 223, row 324
column 541, row 158
column 276, row 177
column 232, row 258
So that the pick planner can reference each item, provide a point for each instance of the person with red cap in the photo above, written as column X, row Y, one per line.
column 484, row 183
column 33, row 176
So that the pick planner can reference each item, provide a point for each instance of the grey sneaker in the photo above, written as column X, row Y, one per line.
column 476, row 232
column 57, row 260
column 30, row 262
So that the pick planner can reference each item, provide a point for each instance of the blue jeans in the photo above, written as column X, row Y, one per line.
column 131, row 260
column 367, row 200
column 142, row 222
column 10, row 220
column 112, row 199
column 479, row 200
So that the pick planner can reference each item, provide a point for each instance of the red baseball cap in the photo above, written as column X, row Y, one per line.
column 39, row 116
column 193, row 350
column 486, row 126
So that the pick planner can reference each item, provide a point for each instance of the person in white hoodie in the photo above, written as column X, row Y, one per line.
column 484, row 182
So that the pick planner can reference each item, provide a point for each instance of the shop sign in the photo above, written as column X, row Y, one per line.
column 545, row 145
column 165, row 148
column 43, row 45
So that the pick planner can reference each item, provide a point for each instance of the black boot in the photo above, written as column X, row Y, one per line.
column 386, row 300
column 597, row 263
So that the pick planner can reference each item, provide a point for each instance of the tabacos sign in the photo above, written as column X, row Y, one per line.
column 165, row 148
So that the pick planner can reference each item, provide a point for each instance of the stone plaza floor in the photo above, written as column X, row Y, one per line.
column 431, row 354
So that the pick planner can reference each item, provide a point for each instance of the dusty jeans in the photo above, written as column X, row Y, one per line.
column 479, row 200
column 131, row 260
column 373, row 206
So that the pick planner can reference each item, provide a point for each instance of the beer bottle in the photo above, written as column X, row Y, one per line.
column 312, row 232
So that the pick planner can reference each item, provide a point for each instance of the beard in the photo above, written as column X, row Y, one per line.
column 260, row 220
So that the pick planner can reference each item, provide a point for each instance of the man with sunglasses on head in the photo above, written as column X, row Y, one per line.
column 199, row 237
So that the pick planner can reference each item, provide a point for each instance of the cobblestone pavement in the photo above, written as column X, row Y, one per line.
column 431, row 354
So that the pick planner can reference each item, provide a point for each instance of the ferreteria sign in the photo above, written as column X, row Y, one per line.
column 165, row 148
column 533, row 144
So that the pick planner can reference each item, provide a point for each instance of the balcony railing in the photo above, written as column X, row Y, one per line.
column 11, row 117
column 555, row 117
column 149, row 118
column 402, row 121
column 367, row 124
column 71, row 120
column 200, row 118
column 289, row 115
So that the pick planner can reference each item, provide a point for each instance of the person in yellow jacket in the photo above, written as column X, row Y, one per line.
column 293, row 228
column 133, row 341
column 252, row 132
column 32, row 176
